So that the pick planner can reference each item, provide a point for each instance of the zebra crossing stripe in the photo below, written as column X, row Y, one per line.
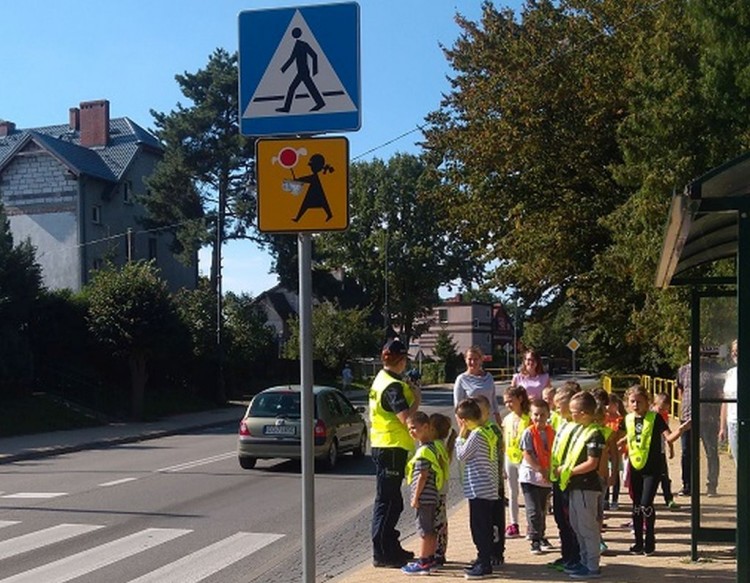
column 207, row 561
column 33, row 495
column 42, row 538
column 4, row 523
column 85, row 562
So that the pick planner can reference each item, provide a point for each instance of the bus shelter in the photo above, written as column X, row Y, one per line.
column 710, row 222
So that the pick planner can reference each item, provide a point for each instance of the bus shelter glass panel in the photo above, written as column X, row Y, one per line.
column 717, row 470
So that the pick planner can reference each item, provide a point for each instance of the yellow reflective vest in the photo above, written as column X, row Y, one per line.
column 638, row 446
column 512, row 436
column 560, row 447
column 429, row 453
column 386, row 429
column 574, row 452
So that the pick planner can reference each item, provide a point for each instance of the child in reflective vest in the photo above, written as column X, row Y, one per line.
column 580, row 476
column 498, row 511
column 476, row 449
column 566, row 431
column 644, row 429
column 426, row 477
column 536, row 445
column 516, row 400
column 445, row 441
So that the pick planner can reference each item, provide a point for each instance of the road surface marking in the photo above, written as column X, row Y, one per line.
column 201, row 564
column 117, row 482
column 87, row 561
column 4, row 523
column 196, row 463
column 31, row 495
column 42, row 538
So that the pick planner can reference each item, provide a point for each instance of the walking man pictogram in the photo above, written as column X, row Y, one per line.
column 299, row 56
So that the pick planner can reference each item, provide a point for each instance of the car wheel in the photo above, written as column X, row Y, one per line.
column 247, row 463
column 332, row 457
column 359, row 451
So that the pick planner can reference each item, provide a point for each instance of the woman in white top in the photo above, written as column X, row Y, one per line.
column 728, row 423
column 476, row 381
column 532, row 376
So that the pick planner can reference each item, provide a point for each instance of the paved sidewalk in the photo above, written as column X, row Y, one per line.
column 58, row 442
column 670, row 563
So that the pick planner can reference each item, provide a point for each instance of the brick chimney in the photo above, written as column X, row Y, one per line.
column 6, row 128
column 94, row 123
column 74, row 117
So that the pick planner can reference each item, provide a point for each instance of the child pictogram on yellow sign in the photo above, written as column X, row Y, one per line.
column 303, row 184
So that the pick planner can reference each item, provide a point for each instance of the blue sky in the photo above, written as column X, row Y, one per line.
column 59, row 53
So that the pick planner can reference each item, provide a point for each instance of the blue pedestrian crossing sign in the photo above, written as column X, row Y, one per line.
column 299, row 70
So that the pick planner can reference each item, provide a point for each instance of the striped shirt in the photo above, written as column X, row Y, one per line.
column 480, row 472
column 429, row 494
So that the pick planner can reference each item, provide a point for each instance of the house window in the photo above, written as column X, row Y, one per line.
column 127, row 195
column 442, row 316
column 152, row 248
column 96, row 214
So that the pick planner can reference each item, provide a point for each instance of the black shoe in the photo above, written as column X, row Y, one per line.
column 478, row 571
column 497, row 561
column 388, row 563
column 636, row 550
column 404, row 554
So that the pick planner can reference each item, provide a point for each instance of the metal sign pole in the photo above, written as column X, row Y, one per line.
column 304, row 245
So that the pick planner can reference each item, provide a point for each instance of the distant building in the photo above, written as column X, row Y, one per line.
column 72, row 190
column 469, row 324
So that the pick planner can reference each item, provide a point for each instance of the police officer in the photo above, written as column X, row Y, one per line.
column 391, row 401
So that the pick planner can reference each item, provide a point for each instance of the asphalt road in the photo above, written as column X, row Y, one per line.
column 180, row 509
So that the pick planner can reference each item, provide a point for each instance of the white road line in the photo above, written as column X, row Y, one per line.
column 42, row 538
column 32, row 495
column 201, row 564
column 4, row 523
column 196, row 463
column 87, row 561
column 117, row 482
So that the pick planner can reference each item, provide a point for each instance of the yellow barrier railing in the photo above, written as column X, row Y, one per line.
column 654, row 385
column 501, row 374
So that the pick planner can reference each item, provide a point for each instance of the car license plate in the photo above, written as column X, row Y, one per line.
column 280, row 430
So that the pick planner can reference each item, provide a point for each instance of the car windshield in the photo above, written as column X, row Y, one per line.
column 282, row 404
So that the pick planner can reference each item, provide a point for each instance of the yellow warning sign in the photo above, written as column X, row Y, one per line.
column 303, row 184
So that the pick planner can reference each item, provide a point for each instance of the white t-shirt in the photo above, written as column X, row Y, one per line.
column 730, row 392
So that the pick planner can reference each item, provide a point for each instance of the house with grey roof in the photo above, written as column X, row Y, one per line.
column 73, row 189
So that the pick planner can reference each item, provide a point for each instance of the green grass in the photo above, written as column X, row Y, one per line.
column 38, row 413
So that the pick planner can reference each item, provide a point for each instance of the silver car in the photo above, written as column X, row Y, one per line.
column 272, row 425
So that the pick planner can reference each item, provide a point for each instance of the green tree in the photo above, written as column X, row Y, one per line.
column 338, row 335
column 398, row 247
column 207, row 162
column 252, row 343
column 131, row 311
column 526, row 138
column 20, row 288
column 446, row 350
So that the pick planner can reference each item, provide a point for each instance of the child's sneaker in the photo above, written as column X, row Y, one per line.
column 536, row 548
column 585, row 573
column 419, row 568
column 614, row 506
column 512, row 531
column 546, row 545
column 572, row 568
column 672, row 505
